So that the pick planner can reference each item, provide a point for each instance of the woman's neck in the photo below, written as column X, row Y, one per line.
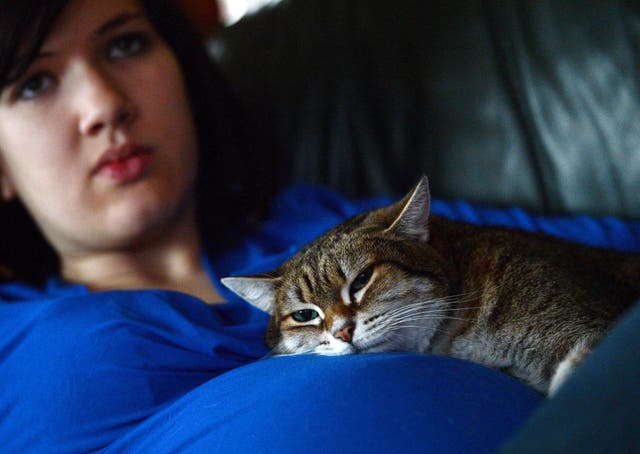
column 170, row 262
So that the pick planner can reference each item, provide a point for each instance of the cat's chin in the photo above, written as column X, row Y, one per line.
column 344, row 349
column 332, row 349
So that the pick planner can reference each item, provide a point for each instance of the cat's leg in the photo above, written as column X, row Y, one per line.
column 565, row 368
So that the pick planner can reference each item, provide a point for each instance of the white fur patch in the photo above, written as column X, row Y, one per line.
column 333, row 347
column 344, row 294
column 566, row 367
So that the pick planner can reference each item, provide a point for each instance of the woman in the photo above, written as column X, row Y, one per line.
column 217, row 116
column 111, row 122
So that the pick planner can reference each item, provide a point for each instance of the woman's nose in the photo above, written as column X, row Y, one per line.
column 103, row 103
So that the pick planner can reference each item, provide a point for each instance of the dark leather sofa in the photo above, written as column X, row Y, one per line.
column 527, row 103
column 522, row 103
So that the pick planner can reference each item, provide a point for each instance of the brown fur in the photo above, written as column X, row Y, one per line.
column 519, row 302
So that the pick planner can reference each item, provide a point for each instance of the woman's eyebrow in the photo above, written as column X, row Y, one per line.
column 117, row 21
column 44, row 55
column 111, row 24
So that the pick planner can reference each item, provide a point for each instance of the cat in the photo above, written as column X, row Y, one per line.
column 398, row 279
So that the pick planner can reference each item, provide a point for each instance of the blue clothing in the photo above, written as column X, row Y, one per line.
column 159, row 371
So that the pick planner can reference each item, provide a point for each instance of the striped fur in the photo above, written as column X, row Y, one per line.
column 397, row 279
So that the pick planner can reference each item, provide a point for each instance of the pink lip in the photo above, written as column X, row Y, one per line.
column 125, row 163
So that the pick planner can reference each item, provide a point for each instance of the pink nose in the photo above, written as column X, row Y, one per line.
column 346, row 332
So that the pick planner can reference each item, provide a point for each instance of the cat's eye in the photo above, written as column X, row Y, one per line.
column 361, row 280
column 304, row 315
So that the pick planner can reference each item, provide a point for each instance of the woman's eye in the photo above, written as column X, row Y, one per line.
column 126, row 46
column 35, row 85
column 304, row 315
column 361, row 280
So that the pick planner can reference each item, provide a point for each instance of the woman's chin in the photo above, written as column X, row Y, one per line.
column 133, row 223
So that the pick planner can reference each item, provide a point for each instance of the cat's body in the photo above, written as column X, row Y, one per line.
column 397, row 279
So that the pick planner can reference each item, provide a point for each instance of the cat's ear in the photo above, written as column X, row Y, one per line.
column 259, row 291
column 413, row 217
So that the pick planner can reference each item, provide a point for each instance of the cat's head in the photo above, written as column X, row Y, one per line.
column 372, row 283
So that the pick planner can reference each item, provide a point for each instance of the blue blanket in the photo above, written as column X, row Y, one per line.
column 158, row 371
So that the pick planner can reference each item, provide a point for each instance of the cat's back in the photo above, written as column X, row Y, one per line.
column 516, row 257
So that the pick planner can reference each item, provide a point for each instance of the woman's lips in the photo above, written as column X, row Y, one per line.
column 125, row 163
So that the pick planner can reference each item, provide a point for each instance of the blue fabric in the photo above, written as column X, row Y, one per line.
column 160, row 371
column 80, row 371
column 378, row 403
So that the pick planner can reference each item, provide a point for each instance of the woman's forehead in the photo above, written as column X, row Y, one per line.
column 89, row 17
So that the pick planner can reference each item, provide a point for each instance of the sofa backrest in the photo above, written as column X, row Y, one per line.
column 534, row 104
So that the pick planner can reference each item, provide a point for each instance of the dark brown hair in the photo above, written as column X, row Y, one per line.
column 227, row 140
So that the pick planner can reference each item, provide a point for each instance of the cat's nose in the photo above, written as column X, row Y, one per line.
column 346, row 332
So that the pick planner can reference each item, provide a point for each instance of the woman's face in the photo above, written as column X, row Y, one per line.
column 97, row 137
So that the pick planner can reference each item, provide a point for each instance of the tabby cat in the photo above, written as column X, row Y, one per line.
column 398, row 279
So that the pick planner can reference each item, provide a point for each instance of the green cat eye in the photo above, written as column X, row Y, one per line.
column 304, row 315
column 361, row 280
